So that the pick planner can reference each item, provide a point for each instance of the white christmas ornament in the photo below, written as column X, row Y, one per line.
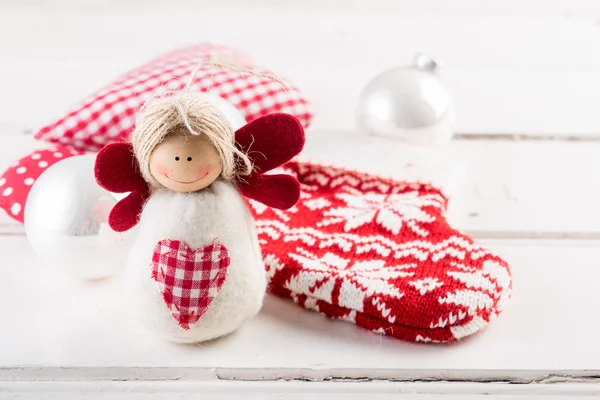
column 66, row 221
column 408, row 103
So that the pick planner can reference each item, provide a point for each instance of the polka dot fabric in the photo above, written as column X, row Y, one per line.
column 17, row 180
column 109, row 115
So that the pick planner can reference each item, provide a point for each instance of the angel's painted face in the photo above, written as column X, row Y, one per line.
column 185, row 163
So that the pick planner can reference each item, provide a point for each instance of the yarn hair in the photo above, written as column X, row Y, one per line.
column 162, row 116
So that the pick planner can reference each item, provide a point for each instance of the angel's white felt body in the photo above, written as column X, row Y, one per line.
column 197, row 218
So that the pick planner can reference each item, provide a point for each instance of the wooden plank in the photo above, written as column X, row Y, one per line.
column 335, row 37
column 471, row 7
column 63, row 330
column 491, row 100
column 499, row 189
column 357, row 390
column 532, row 189
column 503, row 80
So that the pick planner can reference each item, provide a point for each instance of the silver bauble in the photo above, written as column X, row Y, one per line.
column 66, row 221
column 407, row 103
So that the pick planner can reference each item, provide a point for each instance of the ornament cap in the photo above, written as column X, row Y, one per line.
column 424, row 62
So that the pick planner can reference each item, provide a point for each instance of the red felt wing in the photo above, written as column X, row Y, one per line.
column 126, row 213
column 277, row 191
column 117, row 169
column 271, row 140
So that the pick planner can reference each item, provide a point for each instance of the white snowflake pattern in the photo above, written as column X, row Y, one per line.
column 260, row 208
column 483, row 288
column 316, row 204
column 426, row 339
column 356, row 280
column 272, row 265
column 426, row 285
column 391, row 211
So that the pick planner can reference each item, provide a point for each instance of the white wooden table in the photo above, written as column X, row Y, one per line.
column 534, row 201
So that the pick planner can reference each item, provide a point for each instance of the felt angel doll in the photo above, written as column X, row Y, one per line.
column 195, row 271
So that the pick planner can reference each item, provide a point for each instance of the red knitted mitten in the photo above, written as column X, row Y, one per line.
column 380, row 254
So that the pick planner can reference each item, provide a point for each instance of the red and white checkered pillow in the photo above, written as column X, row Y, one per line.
column 109, row 114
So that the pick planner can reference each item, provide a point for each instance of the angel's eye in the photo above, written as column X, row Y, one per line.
column 176, row 158
column 189, row 158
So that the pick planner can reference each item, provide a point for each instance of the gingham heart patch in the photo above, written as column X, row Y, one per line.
column 189, row 279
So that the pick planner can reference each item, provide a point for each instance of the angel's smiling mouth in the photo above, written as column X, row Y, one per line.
column 186, row 183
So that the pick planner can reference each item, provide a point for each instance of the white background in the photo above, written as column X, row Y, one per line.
column 517, row 69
